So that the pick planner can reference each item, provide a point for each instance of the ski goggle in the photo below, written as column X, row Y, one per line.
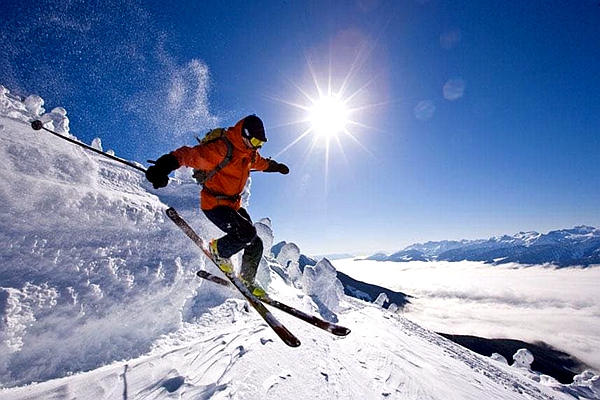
column 256, row 143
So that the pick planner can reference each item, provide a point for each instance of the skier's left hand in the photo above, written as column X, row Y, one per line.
column 274, row 166
column 283, row 169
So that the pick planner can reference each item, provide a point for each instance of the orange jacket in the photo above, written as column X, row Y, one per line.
column 227, row 184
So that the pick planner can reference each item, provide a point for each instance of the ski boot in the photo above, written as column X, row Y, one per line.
column 255, row 288
column 223, row 263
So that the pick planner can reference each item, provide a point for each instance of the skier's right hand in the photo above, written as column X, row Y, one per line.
column 158, row 174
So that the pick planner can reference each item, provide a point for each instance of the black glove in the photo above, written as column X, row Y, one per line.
column 158, row 174
column 274, row 166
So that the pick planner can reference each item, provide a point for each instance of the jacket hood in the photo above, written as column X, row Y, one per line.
column 234, row 134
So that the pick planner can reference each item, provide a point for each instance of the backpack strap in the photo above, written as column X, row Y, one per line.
column 203, row 176
column 225, row 160
column 220, row 166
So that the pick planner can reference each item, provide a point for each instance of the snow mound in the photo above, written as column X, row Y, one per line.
column 289, row 257
column 320, row 282
column 83, row 280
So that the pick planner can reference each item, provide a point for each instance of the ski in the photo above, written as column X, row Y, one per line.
column 281, row 331
column 318, row 322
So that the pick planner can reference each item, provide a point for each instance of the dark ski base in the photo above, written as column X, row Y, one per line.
column 318, row 322
column 285, row 335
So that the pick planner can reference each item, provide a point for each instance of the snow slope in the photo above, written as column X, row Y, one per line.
column 233, row 355
column 94, row 278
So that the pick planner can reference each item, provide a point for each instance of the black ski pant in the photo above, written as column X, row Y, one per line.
column 240, row 234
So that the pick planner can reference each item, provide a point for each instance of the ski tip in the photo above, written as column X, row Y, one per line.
column 201, row 274
column 340, row 331
column 286, row 336
column 215, row 279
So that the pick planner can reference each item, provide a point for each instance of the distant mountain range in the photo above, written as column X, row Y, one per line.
column 563, row 248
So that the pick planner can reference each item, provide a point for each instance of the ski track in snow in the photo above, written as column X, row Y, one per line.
column 244, row 360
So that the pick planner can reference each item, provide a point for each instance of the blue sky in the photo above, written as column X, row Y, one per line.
column 466, row 119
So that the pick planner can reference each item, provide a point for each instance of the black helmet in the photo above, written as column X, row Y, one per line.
column 253, row 128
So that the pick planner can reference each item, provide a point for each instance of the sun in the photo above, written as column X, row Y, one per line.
column 332, row 105
column 328, row 116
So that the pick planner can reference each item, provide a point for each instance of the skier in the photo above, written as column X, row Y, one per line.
column 227, row 166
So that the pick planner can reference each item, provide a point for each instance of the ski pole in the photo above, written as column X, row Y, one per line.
column 37, row 125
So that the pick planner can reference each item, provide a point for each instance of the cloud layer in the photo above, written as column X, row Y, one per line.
column 558, row 306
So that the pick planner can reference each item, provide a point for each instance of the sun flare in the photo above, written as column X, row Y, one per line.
column 333, row 106
column 328, row 116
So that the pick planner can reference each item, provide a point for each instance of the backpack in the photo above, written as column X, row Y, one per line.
column 201, row 175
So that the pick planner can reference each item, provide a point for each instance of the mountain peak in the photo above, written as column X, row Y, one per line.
column 565, row 247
